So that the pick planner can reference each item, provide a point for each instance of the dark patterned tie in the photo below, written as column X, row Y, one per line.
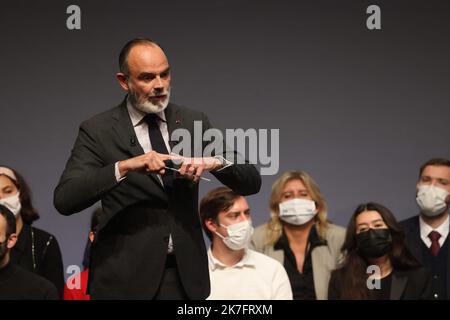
column 435, row 247
column 159, row 146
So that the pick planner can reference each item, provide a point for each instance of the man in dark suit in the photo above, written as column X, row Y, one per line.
column 149, row 241
column 427, row 233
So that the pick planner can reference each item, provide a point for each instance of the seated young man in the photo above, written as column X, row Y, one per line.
column 237, row 272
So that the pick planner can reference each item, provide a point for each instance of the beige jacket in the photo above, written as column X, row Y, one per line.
column 324, row 258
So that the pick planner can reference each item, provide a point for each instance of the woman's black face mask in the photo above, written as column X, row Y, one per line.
column 374, row 243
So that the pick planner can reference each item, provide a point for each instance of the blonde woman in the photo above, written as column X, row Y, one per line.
column 299, row 235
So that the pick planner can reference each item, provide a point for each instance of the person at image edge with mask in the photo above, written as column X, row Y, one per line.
column 17, row 283
column 299, row 235
column 427, row 233
column 375, row 247
column 237, row 272
column 36, row 250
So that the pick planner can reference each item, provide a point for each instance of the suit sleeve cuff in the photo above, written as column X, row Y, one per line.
column 225, row 163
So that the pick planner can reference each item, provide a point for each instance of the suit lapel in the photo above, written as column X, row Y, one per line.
column 277, row 255
column 414, row 239
column 173, row 121
column 448, row 264
column 320, row 257
column 398, row 285
column 125, row 132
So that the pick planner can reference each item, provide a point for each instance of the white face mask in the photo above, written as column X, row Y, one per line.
column 297, row 211
column 239, row 235
column 431, row 200
column 12, row 203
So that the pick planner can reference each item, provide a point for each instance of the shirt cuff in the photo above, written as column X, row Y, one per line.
column 117, row 172
column 225, row 163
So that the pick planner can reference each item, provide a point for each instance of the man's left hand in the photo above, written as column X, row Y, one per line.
column 192, row 168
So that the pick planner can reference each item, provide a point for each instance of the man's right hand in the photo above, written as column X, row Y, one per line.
column 150, row 162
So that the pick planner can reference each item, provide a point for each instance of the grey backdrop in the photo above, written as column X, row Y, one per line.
column 359, row 110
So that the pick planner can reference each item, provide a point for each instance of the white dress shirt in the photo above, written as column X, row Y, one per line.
column 425, row 230
column 255, row 277
column 142, row 135
column 141, row 129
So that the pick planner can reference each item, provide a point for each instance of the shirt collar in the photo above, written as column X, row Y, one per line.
column 425, row 229
column 137, row 115
column 246, row 261
column 313, row 239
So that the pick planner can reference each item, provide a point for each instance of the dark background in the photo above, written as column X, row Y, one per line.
column 359, row 110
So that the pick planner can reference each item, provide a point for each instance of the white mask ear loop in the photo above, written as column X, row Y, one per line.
column 220, row 236
column 239, row 235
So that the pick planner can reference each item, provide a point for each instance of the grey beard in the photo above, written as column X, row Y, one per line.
column 148, row 106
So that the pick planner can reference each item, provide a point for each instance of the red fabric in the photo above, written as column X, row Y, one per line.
column 435, row 247
column 77, row 293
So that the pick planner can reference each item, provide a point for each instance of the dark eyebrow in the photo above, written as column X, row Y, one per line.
column 360, row 224
column 238, row 212
column 153, row 75
column 145, row 74
column 165, row 71
column 374, row 221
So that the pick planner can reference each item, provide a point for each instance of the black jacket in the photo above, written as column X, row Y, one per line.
column 45, row 259
column 17, row 283
column 129, row 251
column 411, row 228
column 412, row 284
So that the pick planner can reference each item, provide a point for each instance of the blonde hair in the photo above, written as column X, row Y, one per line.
column 275, row 227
